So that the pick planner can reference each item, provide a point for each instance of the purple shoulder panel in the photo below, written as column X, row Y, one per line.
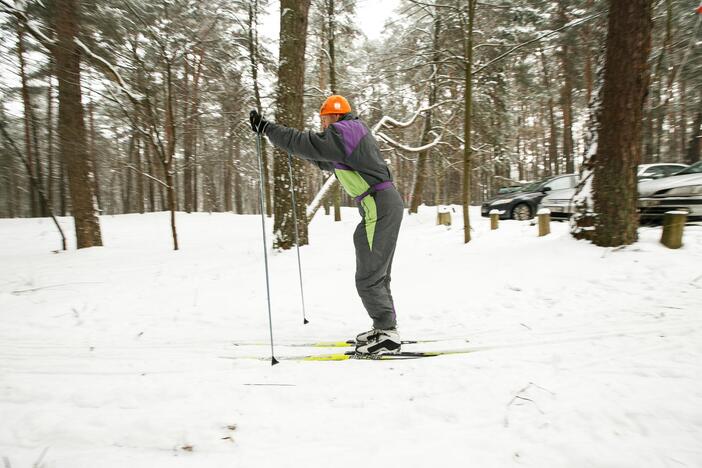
column 352, row 131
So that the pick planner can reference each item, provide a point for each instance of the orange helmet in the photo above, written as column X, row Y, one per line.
column 335, row 105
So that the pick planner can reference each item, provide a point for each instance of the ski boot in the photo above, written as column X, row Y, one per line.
column 378, row 342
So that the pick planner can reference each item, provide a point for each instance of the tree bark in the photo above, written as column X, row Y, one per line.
column 187, row 142
column 151, row 168
column 692, row 155
column 129, row 174
column 467, row 119
column 682, row 123
column 10, row 181
column 238, row 186
column 331, row 32
column 28, row 122
column 94, row 167
column 423, row 156
column 552, row 162
column 626, row 79
column 50, row 139
column 587, row 39
column 567, row 91
column 72, row 134
column 291, row 79
column 191, row 105
column 254, row 59
column 170, row 151
column 229, row 163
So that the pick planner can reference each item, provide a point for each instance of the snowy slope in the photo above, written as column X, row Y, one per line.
column 111, row 357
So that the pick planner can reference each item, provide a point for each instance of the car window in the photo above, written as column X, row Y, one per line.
column 561, row 183
column 655, row 170
column 668, row 170
column 694, row 169
column 531, row 187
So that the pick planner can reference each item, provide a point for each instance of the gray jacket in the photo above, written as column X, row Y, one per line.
column 344, row 145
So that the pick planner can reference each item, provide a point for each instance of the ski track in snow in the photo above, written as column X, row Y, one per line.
column 111, row 357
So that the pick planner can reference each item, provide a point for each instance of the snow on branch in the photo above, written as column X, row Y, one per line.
column 109, row 70
column 321, row 195
column 148, row 176
column 45, row 40
column 50, row 44
column 573, row 23
column 411, row 149
column 388, row 122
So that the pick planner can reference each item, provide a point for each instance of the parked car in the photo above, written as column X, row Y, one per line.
column 682, row 192
column 523, row 203
column 658, row 170
column 510, row 189
column 560, row 202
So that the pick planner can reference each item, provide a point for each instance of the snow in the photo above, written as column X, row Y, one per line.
column 583, row 356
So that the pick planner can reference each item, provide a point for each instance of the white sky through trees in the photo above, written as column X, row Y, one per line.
column 370, row 17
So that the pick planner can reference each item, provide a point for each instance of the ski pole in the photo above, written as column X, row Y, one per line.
column 297, row 240
column 274, row 361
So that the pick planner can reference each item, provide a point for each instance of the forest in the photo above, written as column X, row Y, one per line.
column 112, row 107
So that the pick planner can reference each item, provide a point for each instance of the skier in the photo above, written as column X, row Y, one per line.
column 346, row 147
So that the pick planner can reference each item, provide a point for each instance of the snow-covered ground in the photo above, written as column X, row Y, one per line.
column 112, row 357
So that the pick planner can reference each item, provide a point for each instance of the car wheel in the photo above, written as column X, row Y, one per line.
column 521, row 212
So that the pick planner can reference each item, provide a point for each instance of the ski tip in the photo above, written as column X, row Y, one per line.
column 274, row 361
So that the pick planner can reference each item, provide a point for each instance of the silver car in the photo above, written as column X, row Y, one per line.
column 658, row 170
column 560, row 202
column 680, row 192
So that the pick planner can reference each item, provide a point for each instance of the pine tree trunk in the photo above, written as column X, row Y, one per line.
column 331, row 32
column 63, row 184
column 682, row 123
column 567, row 92
column 229, row 164
column 151, row 169
column 94, row 168
column 191, row 106
column 291, row 78
column 423, row 156
column 552, row 162
column 587, row 39
column 692, row 155
column 254, row 59
column 50, row 140
column 140, row 179
column 27, row 105
column 626, row 79
column 168, row 157
column 129, row 174
column 238, row 186
column 187, row 143
column 10, row 182
column 467, row 119
column 72, row 134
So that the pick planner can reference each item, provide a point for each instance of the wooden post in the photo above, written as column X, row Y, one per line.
column 544, row 215
column 443, row 216
column 494, row 219
column 673, row 224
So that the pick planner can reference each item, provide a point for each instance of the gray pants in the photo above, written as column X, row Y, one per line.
column 373, row 265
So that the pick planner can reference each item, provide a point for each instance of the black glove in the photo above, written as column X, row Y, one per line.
column 258, row 123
